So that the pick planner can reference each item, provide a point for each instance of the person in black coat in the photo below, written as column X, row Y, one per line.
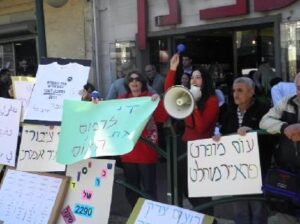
column 242, row 117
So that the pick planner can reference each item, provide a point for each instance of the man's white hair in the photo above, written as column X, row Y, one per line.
column 249, row 82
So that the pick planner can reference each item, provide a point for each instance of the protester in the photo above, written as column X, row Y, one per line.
column 200, row 124
column 187, row 66
column 185, row 80
column 155, row 80
column 263, row 76
column 86, row 92
column 283, row 119
column 25, row 69
column 117, row 88
column 140, row 164
column 6, row 88
column 282, row 90
column 241, row 118
column 222, row 106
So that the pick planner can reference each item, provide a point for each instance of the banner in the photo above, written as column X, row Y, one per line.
column 153, row 212
column 38, row 149
column 22, row 86
column 230, row 166
column 54, row 83
column 10, row 112
column 89, row 195
column 104, row 129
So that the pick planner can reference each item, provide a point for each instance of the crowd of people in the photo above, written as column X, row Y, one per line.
column 281, row 120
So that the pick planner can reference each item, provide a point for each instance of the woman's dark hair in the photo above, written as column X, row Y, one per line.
column 207, row 86
column 5, row 83
column 142, row 78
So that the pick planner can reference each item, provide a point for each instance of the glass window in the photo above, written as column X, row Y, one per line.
column 253, row 47
column 26, row 57
column 290, row 49
column 7, row 59
column 19, row 57
column 122, row 55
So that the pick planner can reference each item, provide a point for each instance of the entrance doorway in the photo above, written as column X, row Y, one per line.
column 226, row 53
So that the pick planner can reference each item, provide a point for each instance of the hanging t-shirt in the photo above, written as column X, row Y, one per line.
column 54, row 83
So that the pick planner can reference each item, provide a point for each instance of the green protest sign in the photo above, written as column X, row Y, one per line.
column 104, row 129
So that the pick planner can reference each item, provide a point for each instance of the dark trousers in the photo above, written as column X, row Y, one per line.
column 143, row 177
column 183, row 184
column 250, row 212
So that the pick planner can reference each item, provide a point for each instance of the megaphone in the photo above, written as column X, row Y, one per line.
column 179, row 102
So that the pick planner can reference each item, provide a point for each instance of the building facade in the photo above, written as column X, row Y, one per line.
column 227, row 36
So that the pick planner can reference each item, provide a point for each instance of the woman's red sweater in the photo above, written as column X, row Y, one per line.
column 201, row 123
column 143, row 153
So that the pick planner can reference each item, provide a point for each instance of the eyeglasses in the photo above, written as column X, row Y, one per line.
column 134, row 79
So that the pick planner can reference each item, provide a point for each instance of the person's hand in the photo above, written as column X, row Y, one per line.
column 217, row 137
column 243, row 130
column 295, row 137
column 154, row 97
column 174, row 62
column 96, row 100
column 292, row 132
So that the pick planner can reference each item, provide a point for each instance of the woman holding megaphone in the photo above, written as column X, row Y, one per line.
column 200, row 123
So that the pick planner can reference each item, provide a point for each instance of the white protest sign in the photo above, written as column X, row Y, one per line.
column 22, row 86
column 54, row 83
column 30, row 198
column 88, row 199
column 38, row 149
column 228, row 167
column 152, row 212
column 10, row 112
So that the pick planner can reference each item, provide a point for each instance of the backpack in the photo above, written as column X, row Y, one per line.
column 282, row 189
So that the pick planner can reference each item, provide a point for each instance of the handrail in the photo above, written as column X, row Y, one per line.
column 154, row 146
column 133, row 188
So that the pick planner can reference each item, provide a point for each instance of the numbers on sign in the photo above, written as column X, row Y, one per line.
column 83, row 210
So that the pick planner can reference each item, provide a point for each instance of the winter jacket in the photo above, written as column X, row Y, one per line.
column 275, row 121
column 251, row 119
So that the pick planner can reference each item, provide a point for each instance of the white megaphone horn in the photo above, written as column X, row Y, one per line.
column 179, row 102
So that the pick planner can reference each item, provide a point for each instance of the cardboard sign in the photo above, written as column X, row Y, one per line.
column 109, row 128
column 221, row 168
column 22, row 86
column 10, row 112
column 31, row 197
column 38, row 149
column 152, row 212
column 89, row 197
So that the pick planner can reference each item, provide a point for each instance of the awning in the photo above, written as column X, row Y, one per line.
column 16, row 29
